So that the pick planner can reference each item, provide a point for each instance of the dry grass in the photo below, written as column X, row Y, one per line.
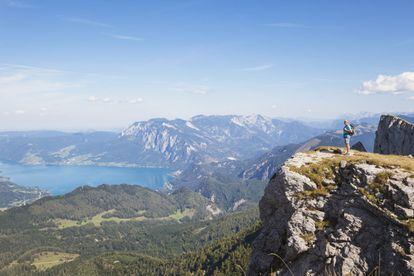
column 45, row 260
column 372, row 198
column 308, row 237
column 318, row 172
column 320, row 192
column 322, row 225
column 378, row 185
column 322, row 172
column 329, row 149
column 383, row 160
column 95, row 220
column 410, row 224
column 103, row 217
column 178, row 215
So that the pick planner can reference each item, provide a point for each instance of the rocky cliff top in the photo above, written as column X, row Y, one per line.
column 327, row 214
column 394, row 136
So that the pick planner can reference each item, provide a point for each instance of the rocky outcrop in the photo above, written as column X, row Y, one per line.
column 326, row 214
column 394, row 136
column 359, row 147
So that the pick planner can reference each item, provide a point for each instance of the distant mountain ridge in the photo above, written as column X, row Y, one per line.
column 157, row 142
column 213, row 138
column 264, row 166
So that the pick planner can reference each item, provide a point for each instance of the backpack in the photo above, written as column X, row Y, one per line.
column 352, row 132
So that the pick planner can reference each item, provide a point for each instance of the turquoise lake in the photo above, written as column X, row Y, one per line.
column 59, row 180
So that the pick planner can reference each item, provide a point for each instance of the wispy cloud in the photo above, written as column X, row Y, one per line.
column 259, row 67
column 192, row 88
column 27, row 79
column 287, row 25
column 94, row 99
column 16, row 4
column 125, row 37
column 89, row 22
column 398, row 84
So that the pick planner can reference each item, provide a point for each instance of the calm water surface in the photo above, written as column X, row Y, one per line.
column 59, row 180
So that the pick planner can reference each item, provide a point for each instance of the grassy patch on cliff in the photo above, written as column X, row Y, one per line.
column 381, row 160
column 322, row 172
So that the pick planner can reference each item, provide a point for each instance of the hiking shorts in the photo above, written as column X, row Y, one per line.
column 347, row 140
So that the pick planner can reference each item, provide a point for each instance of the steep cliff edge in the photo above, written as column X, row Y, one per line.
column 326, row 214
column 394, row 136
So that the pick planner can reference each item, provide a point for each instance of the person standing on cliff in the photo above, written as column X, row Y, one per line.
column 348, row 132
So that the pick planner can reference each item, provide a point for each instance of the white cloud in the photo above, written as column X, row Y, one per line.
column 411, row 98
column 125, row 37
column 259, row 67
column 389, row 84
column 274, row 106
column 135, row 101
column 92, row 99
column 191, row 88
column 89, row 22
column 287, row 25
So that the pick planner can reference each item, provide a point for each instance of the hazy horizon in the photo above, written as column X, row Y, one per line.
column 349, row 116
column 82, row 65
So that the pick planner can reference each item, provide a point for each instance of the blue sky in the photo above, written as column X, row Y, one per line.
column 104, row 64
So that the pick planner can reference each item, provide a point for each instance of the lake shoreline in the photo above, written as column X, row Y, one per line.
column 88, row 163
column 61, row 179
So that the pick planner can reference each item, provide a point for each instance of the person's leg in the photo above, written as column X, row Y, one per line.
column 347, row 147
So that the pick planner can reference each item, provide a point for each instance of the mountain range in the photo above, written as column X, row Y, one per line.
column 226, row 159
column 205, row 221
column 157, row 142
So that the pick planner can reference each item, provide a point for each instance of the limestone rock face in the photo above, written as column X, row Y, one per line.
column 394, row 136
column 326, row 214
